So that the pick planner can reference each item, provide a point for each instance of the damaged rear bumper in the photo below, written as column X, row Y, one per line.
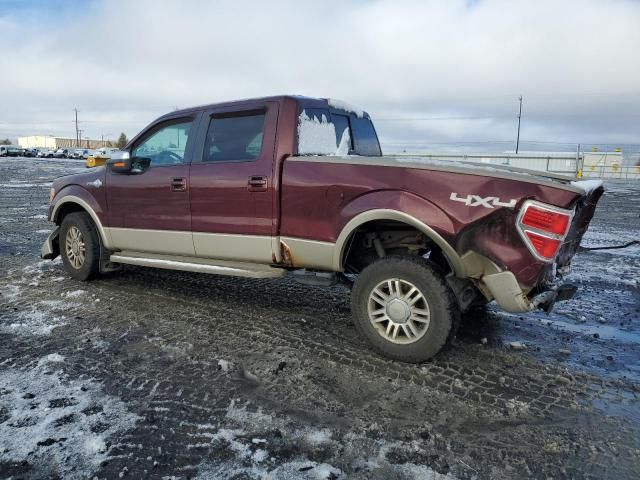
column 51, row 246
column 506, row 291
column 503, row 287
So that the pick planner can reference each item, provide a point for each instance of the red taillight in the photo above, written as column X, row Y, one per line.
column 547, row 220
column 547, row 247
column 543, row 228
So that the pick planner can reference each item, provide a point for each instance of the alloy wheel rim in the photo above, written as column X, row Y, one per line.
column 75, row 247
column 399, row 311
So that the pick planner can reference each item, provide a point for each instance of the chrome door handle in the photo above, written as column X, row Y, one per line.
column 179, row 184
column 257, row 183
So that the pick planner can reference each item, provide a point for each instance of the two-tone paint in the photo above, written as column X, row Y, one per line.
column 303, row 209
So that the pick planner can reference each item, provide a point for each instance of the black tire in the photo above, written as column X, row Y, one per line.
column 90, row 267
column 442, row 307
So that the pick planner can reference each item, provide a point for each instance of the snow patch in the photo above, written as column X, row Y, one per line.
column 347, row 107
column 74, row 293
column 316, row 137
column 51, row 358
column 50, row 420
column 345, row 143
column 34, row 322
column 588, row 185
column 24, row 185
column 224, row 365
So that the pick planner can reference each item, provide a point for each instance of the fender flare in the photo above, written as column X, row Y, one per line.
column 387, row 214
column 105, row 237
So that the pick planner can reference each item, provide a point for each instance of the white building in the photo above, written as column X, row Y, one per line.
column 51, row 142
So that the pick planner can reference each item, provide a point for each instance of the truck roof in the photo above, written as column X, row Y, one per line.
column 310, row 102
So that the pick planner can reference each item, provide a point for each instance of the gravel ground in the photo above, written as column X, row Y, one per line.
column 159, row 374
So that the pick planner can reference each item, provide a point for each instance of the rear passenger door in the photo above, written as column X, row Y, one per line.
column 232, row 184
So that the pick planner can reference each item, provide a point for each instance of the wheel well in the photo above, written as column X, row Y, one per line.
column 66, row 209
column 380, row 238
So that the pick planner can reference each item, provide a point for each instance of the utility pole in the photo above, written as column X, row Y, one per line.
column 519, row 117
column 77, row 138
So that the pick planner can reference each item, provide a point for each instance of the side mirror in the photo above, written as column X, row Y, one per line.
column 122, row 163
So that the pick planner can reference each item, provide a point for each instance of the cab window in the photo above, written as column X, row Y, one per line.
column 165, row 146
column 341, row 123
column 364, row 137
column 234, row 137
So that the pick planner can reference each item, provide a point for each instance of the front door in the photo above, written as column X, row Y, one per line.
column 232, row 183
column 150, row 211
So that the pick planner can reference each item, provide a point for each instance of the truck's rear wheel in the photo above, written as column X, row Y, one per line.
column 79, row 246
column 403, row 308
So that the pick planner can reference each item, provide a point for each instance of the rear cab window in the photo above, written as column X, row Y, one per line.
column 331, row 131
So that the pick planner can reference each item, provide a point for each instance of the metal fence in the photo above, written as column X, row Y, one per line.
column 570, row 164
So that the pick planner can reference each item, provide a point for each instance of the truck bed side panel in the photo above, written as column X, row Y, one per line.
column 318, row 199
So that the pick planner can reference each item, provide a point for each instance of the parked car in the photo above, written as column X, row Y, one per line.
column 11, row 151
column 61, row 153
column 30, row 152
column 44, row 153
column 100, row 157
column 81, row 153
column 214, row 189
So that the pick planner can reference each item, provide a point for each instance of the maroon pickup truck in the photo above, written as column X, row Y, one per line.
column 266, row 187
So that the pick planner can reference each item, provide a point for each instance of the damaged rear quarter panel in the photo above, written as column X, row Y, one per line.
column 318, row 199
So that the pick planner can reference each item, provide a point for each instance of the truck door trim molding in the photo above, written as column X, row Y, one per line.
column 387, row 214
column 104, row 233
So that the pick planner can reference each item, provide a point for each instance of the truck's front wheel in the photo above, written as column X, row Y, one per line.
column 79, row 246
column 403, row 308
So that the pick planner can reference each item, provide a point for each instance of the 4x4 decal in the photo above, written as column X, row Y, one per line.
column 486, row 202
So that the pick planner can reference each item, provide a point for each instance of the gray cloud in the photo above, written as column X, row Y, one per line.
column 122, row 63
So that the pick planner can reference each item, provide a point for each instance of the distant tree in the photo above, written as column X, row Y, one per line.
column 109, row 143
column 6, row 141
column 122, row 141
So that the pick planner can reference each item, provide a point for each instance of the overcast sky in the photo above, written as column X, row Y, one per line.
column 455, row 67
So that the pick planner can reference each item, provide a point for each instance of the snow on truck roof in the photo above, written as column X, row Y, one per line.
column 331, row 102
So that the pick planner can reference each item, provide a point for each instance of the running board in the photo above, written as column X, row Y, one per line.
column 201, row 265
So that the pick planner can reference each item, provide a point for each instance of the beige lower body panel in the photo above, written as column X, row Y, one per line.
column 310, row 253
column 153, row 241
column 248, row 248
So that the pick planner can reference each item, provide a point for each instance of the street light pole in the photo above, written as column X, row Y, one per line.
column 77, row 134
column 519, row 117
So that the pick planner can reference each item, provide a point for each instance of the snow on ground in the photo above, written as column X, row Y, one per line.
column 35, row 322
column 25, row 185
column 42, row 316
column 60, row 424
column 256, row 457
